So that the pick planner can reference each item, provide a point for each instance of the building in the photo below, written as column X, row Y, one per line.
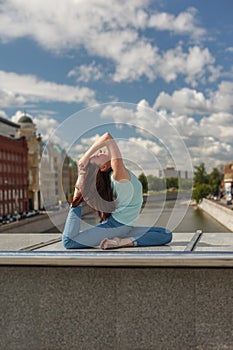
column 66, row 177
column 73, row 173
column 8, row 128
column 13, row 169
column 28, row 130
column 13, row 175
column 49, row 179
column 228, row 179
column 58, row 174
column 169, row 172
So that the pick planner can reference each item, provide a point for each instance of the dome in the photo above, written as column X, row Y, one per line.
column 25, row 119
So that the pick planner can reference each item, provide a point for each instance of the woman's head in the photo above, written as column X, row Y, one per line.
column 102, row 160
column 97, row 191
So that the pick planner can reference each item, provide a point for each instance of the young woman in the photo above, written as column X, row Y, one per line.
column 112, row 190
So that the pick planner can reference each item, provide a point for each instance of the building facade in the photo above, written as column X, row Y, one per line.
column 58, row 174
column 8, row 128
column 28, row 130
column 13, row 175
column 228, row 181
column 29, row 180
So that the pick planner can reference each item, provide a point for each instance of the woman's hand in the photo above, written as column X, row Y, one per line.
column 80, row 183
column 101, row 142
column 83, row 162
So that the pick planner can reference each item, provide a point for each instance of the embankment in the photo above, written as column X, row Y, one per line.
column 220, row 213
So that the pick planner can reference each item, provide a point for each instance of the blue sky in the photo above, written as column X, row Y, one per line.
column 173, row 57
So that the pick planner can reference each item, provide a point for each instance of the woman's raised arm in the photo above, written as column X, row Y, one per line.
column 114, row 155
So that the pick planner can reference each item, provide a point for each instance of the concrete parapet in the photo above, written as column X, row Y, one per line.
column 222, row 214
column 175, row 297
column 116, row 308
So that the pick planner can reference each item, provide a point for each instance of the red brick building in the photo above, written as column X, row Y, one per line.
column 13, row 175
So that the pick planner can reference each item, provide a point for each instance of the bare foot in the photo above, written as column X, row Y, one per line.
column 108, row 243
column 115, row 242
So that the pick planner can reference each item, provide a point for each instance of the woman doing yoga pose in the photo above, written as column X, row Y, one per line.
column 113, row 191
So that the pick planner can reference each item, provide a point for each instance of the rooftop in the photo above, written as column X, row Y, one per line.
column 25, row 119
column 9, row 122
column 186, row 249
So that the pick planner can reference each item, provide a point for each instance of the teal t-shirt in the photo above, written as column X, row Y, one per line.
column 128, row 196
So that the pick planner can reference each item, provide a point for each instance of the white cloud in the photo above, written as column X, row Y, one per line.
column 86, row 73
column 49, row 26
column 184, row 101
column 197, row 59
column 141, row 154
column 193, row 102
column 214, row 152
column 137, row 61
column 78, row 149
column 222, row 98
column 184, row 23
column 10, row 98
column 215, row 148
column 218, row 125
column 118, row 113
column 208, row 140
column 155, row 126
column 3, row 114
column 18, row 89
column 45, row 125
column 114, row 30
column 138, row 153
column 194, row 65
column 159, row 136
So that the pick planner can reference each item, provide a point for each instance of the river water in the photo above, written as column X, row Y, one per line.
column 194, row 218
column 157, row 214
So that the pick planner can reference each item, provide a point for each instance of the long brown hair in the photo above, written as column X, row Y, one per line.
column 97, row 192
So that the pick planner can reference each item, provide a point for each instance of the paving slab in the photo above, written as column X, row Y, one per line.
column 220, row 242
column 44, row 242
column 208, row 242
column 179, row 243
column 18, row 241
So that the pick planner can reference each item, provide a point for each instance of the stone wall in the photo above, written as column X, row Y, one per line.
column 222, row 214
column 104, row 308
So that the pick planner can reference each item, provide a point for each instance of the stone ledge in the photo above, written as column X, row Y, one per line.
column 116, row 258
column 220, row 213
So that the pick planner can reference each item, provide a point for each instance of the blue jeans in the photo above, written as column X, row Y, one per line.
column 141, row 236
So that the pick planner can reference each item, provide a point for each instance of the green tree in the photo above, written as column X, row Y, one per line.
column 143, row 179
column 155, row 183
column 200, row 175
column 185, row 184
column 215, row 178
column 172, row 182
column 201, row 191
